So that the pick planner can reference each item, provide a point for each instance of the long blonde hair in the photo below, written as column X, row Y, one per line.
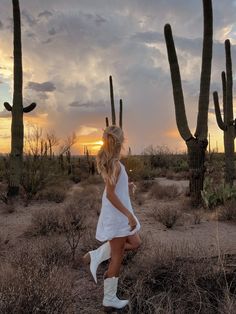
column 109, row 153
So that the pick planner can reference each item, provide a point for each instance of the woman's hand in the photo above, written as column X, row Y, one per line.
column 132, row 222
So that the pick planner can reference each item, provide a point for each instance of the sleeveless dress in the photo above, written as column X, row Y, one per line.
column 111, row 222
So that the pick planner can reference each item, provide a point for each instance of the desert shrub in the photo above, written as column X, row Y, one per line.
column 228, row 211
column 137, row 169
column 167, row 215
column 172, row 175
column 34, row 175
column 54, row 251
column 197, row 217
column 72, row 225
column 29, row 285
column 8, row 207
column 162, row 280
column 145, row 185
column 180, row 164
column 216, row 194
column 45, row 221
column 92, row 180
column 87, row 199
column 164, row 192
column 88, row 241
column 138, row 198
column 55, row 194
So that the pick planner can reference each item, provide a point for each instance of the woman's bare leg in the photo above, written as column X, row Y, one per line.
column 117, row 253
column 133, row 242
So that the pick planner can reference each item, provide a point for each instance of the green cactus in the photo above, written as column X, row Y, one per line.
column 121, row 111
column 113, row 112
column 227, row 124
column 17, row 110
column 196, row 144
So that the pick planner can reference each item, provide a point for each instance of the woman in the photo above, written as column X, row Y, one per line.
column 117, row 224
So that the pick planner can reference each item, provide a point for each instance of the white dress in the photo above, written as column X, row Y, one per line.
column 111, row 222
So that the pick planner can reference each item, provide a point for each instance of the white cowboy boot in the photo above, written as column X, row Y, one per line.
column 96, row 257
column 110, row 300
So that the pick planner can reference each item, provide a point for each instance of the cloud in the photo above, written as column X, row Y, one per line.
column 30, row 20
column 52, row 31
column 42, row 87
column 87, row 105
column 99, row 38
column 45, row 14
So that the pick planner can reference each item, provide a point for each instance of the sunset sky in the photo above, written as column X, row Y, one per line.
column 71, row 47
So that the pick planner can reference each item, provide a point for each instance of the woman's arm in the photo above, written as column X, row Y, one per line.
column 114, row 199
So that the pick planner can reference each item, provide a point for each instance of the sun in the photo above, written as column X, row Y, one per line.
column 99, row 143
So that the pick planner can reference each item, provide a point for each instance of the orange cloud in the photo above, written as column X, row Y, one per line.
column 172, row 133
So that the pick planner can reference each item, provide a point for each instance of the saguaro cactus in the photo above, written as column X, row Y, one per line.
column 196, row 144
column 227, row 124
column 17, row 109
column 113, row 112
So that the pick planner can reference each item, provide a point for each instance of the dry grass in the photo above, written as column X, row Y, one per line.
column 145, row 186
column 228, row 211
column 160, row 280
column 45, row 221
column 55, row 194
column 168, row 192
column 72, row 225
column 29, row 283
column 167, row 214
column 89, row 199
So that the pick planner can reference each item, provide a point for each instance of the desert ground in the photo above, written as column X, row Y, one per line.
column 187, row 259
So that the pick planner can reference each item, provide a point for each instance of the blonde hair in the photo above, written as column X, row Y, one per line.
column 109, row 153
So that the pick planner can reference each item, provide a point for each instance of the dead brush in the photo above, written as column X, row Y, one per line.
column 145, row 186
column 167, row 214
column 45, row 221
column 88, row 199
column 227, row 211
column 168, row 192
column 174, row 280
column 55, row 194
column 54, row 251
column 72, row 226
column 29, row 285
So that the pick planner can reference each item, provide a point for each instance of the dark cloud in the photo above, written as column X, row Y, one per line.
column 31, row 35
column 99, row 20
column 31, row 21
column 42, row 87
column 1, row 25
column 87, row 105
column 47, row 41
column 52, row 31
column 45, row 13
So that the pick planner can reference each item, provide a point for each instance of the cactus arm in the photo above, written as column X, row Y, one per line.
column 7, row 106
column 180, row 114
column 121, row 113
column 229, row 83
column 223, row 79
column 18, row 73
column 29, row 108
column 203, row 104
column 113, row 114
column 107, row 122
column 219, row 120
